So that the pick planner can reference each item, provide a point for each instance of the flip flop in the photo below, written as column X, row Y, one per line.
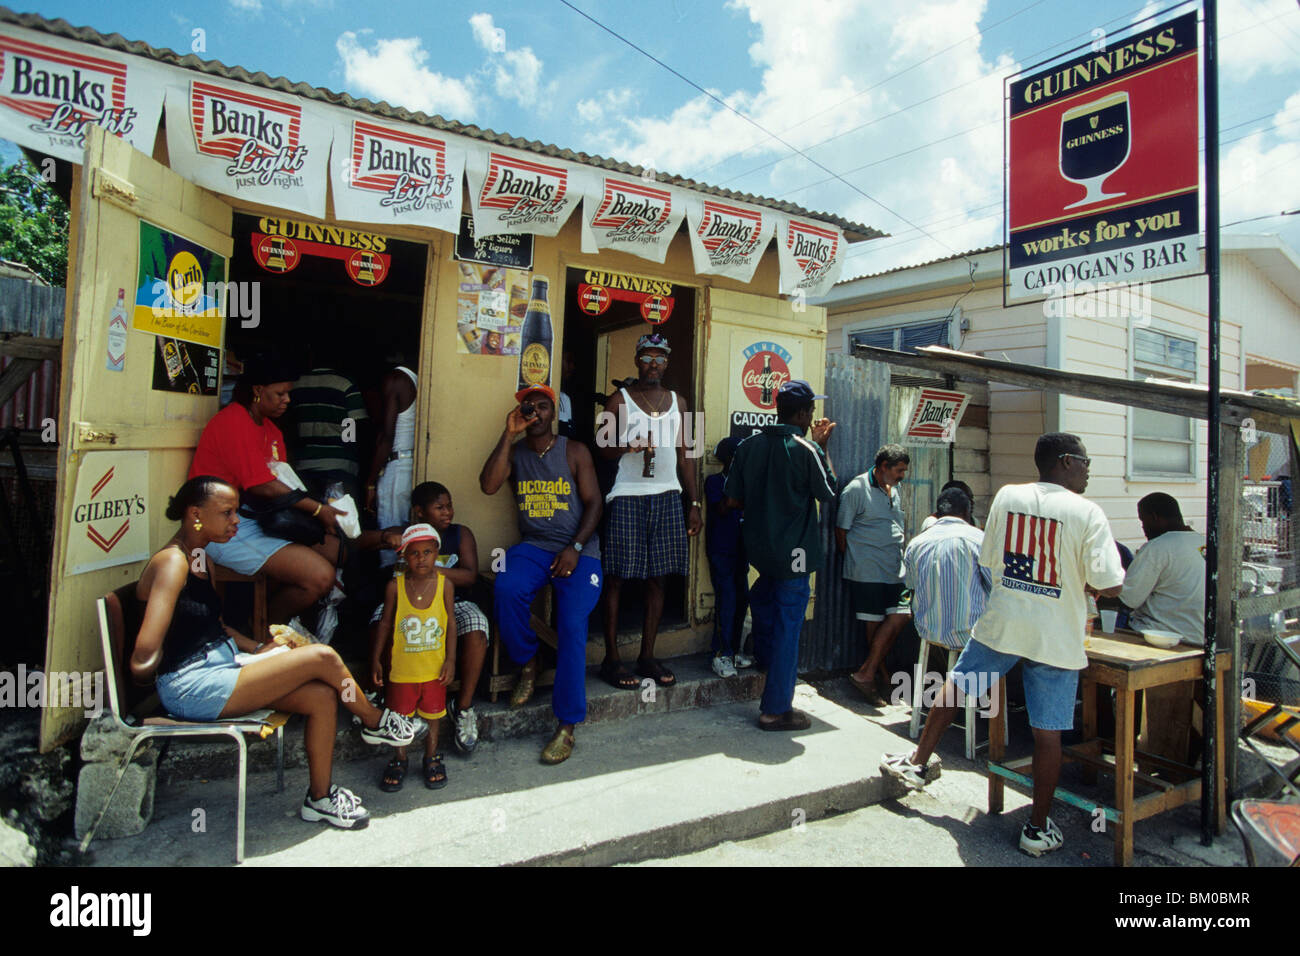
column 656, row 672
column 394, row 774
column 616, row 675
column 790, row 720
column 435, row 774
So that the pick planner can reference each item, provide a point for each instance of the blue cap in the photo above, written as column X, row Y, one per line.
column 796, row 390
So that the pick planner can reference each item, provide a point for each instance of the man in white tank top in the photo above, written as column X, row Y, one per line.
column 646, row 524
column 388, row 486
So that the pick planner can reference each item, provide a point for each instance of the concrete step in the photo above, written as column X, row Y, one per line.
column 697, row 686
column 663, row 782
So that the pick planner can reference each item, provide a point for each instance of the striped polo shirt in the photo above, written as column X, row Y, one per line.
column 321, row 401
column 949, row 586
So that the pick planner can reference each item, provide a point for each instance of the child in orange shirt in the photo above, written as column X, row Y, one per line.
column 421, row 624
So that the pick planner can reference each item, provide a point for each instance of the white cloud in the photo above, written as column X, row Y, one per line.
column 1258, row 36
column 1260, row 175
column 593, row 111
column 247, row 6
column 395, row 70
column 837, row 71
column 516, row 73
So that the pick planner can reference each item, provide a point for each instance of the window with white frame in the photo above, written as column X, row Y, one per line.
column 1161, row 444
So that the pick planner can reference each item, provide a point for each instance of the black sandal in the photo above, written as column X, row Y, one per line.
column 656, row 672
column 435, row 774
column 615, row 674
column 394, row 774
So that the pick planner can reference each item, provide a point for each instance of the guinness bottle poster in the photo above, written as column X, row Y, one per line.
column 1103, row 176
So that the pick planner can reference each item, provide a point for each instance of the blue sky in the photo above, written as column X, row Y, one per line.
column 902, row 98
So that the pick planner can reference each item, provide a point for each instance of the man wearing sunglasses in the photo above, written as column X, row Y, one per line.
column 646, row 531
column 1045, row 545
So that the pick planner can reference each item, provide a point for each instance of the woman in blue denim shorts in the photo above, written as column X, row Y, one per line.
column 186, row 645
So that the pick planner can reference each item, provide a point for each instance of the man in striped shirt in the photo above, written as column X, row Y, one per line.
column 1045, row 545
column 949, row 587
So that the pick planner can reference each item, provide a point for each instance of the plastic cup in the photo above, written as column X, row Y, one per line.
column 1108, row 619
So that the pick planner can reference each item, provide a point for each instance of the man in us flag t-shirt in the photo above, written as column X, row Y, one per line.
column 1043, row 543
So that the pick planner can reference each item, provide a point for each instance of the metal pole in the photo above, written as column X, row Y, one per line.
column 1209, row 792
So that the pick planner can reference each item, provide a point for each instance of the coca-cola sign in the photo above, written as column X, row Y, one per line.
column 766, row 368
column 522, row 192
column 260, row 136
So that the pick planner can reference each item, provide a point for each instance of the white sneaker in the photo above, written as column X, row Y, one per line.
column 912, row 776
column 465, row 738
column 723, row 667
column 340, row 807
column 741, row 661
column 1036, row 842
column 393, row 729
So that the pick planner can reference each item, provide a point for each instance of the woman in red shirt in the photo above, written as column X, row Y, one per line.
column 240, row 445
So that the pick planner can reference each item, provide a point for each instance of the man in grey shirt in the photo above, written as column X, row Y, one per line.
column 869, row 533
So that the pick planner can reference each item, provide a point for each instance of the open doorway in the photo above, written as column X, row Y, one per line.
column 604, row 315
column 338, row 299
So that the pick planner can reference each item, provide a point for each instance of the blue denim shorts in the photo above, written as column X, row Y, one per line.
column 201, row 686
column 248, row 550
column 1049, row 691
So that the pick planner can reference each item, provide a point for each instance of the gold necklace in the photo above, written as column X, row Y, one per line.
column 542, row 454
column 658, row 409
column 419, row 595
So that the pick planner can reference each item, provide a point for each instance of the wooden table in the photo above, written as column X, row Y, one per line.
column 1129, row 664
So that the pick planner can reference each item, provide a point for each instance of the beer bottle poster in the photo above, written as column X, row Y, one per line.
column 180, row 366
column 491, row 304
column 178, row 289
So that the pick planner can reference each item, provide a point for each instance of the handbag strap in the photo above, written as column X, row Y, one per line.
column 257, row 507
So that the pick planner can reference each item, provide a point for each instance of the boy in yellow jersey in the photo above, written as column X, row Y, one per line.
column 419, row 616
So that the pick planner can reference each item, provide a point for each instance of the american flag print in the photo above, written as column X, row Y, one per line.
column 1031, row 554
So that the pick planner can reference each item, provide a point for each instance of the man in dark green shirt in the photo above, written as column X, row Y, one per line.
column 778, row 476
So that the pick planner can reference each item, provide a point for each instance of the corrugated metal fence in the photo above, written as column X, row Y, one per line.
column 869, row 413
column 36, row 310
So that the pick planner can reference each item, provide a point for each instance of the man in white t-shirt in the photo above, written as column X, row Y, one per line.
column 1165, row 584
column 1045, row 544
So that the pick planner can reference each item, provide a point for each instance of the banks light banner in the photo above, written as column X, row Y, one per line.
column 728, row 239
column 1103, row 179
column 51, row 91
column 239, row 140
column 811, row 255
column 520, row 192
column 395, row 173
column 628, row 214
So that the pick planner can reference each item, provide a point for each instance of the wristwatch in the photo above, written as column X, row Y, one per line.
column 696, row 504
column 576, row 546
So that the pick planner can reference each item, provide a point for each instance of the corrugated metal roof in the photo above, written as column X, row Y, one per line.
column 853, row 231
column 929, row 262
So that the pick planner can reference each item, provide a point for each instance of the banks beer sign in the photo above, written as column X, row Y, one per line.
column 935, row 419
column 396, row 174
column 249, row 144
column 514, row 194
column 630, row 216
column 811, row 256
column 51, row 92
column 1103, row 182
column 728, row 239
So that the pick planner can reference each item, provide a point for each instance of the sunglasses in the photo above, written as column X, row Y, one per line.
column 659, row 360
column 1086, row 461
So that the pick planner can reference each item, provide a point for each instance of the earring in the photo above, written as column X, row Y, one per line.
column 198, row 525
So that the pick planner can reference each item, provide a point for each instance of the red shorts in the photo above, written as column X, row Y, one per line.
column 428, row 699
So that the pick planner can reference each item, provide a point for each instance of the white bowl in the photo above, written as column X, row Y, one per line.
column 1164, row 639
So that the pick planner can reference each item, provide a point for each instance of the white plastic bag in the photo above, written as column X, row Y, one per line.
column 349, row 521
